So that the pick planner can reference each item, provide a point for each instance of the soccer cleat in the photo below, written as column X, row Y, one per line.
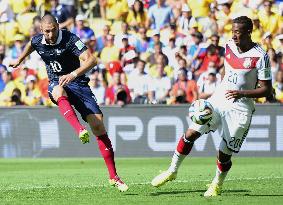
column 84, row 136
column 213, row 190
column 119, row 184
column 164, row 177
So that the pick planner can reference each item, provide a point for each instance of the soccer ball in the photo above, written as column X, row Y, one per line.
column 201, row 111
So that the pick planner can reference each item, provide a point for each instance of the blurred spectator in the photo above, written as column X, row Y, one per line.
column 170, row 50
column 279, row 48
column 33, row 94
column 205, row 57
column 156, row 54
column 129, row 61
column 224, row 20
column 114, row 9
column 81, row 30
column 124, row 32
column 267, row 41
column 61, row 13
column 20, row 6
column 70, row 6
column 110, row 52
column 7, row 93
column 161, row 59
column 208, row 81
column 161, row 86
column 155, row 40
column 257, row 29
column 97, row 87
column 159, row 15
column 200, row 9
column 117, row 93
column 269, row 20
column 101, row 40
column 185, row 21
column 278, row 86
column 189, row 87
column 273, row 62
column 140, row 91
column 137, row 16
column 16, row 98
column 6, row 13
column 142, row 43
column 18, row 47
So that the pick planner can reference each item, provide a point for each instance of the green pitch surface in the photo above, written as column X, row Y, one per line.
column 84, row 181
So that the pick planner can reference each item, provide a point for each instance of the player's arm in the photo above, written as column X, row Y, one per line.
column 264, row 90
column 88, row 61
column 27, row 51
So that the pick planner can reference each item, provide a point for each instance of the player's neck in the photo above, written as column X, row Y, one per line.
column 245, row 47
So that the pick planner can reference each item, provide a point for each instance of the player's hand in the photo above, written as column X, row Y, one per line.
column 234, row 94
column 65, row 79
column 14, row 64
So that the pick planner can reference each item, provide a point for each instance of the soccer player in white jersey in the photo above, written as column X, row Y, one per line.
column 246, row 66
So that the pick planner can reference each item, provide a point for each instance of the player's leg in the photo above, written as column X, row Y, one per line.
column 184, row 148
column 59, row 95
column 223, row 165
column 235, row 126
column 97, row 126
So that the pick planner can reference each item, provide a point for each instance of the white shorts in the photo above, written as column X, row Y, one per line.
column 233, row 124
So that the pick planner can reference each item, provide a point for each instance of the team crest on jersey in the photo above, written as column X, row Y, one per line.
column 247, row 62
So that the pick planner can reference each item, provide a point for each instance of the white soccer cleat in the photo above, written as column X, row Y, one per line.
column 164, row 177
column 119, row 184
column 213, row 190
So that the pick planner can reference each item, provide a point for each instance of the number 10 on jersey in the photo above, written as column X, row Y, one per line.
column 56, row 67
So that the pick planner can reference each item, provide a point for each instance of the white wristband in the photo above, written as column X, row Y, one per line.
column 74, row 74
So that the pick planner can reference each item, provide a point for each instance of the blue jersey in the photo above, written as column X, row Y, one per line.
column 61, row 58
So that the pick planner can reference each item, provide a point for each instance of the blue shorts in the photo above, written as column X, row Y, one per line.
column 80, row 96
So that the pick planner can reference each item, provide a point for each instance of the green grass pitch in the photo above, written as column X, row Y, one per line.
column 84, row 181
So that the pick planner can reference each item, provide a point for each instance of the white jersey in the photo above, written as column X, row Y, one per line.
column 242, row 71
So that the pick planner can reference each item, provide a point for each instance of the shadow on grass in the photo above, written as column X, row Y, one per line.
column 195, row 191
column 176, row 192
column 256, row 195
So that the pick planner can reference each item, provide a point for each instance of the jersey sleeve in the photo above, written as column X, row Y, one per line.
column 264, row 68
column 77, row 47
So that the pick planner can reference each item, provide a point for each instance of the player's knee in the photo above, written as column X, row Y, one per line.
column 57, row 92
column 192, row 135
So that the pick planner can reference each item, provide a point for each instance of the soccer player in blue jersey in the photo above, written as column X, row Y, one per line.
column 67, row 60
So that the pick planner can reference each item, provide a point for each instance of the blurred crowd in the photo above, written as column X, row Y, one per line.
column 149, row 51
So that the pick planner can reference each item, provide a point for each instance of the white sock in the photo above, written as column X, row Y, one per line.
column 176, row 161
column 219, row 177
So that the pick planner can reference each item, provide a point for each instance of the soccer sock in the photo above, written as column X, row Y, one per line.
column 184, row 147
column 107, row 153
column 69, row 114
column 221, row 172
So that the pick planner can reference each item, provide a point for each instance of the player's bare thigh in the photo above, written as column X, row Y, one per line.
column 95, row 121
column 57, row 92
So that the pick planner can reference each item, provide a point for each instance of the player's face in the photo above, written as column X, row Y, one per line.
column 50, row 32
column 239, row 34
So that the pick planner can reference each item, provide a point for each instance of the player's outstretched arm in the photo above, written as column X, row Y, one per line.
column 27, row 51
column 264, row 90
column 88, row 62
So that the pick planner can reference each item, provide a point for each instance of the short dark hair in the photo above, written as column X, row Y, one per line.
column 49, row 18
column 246, row 21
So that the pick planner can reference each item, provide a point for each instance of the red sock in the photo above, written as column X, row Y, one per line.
column 69, row 114
column 224, row 167
column 184, row 146
column 107, row 153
